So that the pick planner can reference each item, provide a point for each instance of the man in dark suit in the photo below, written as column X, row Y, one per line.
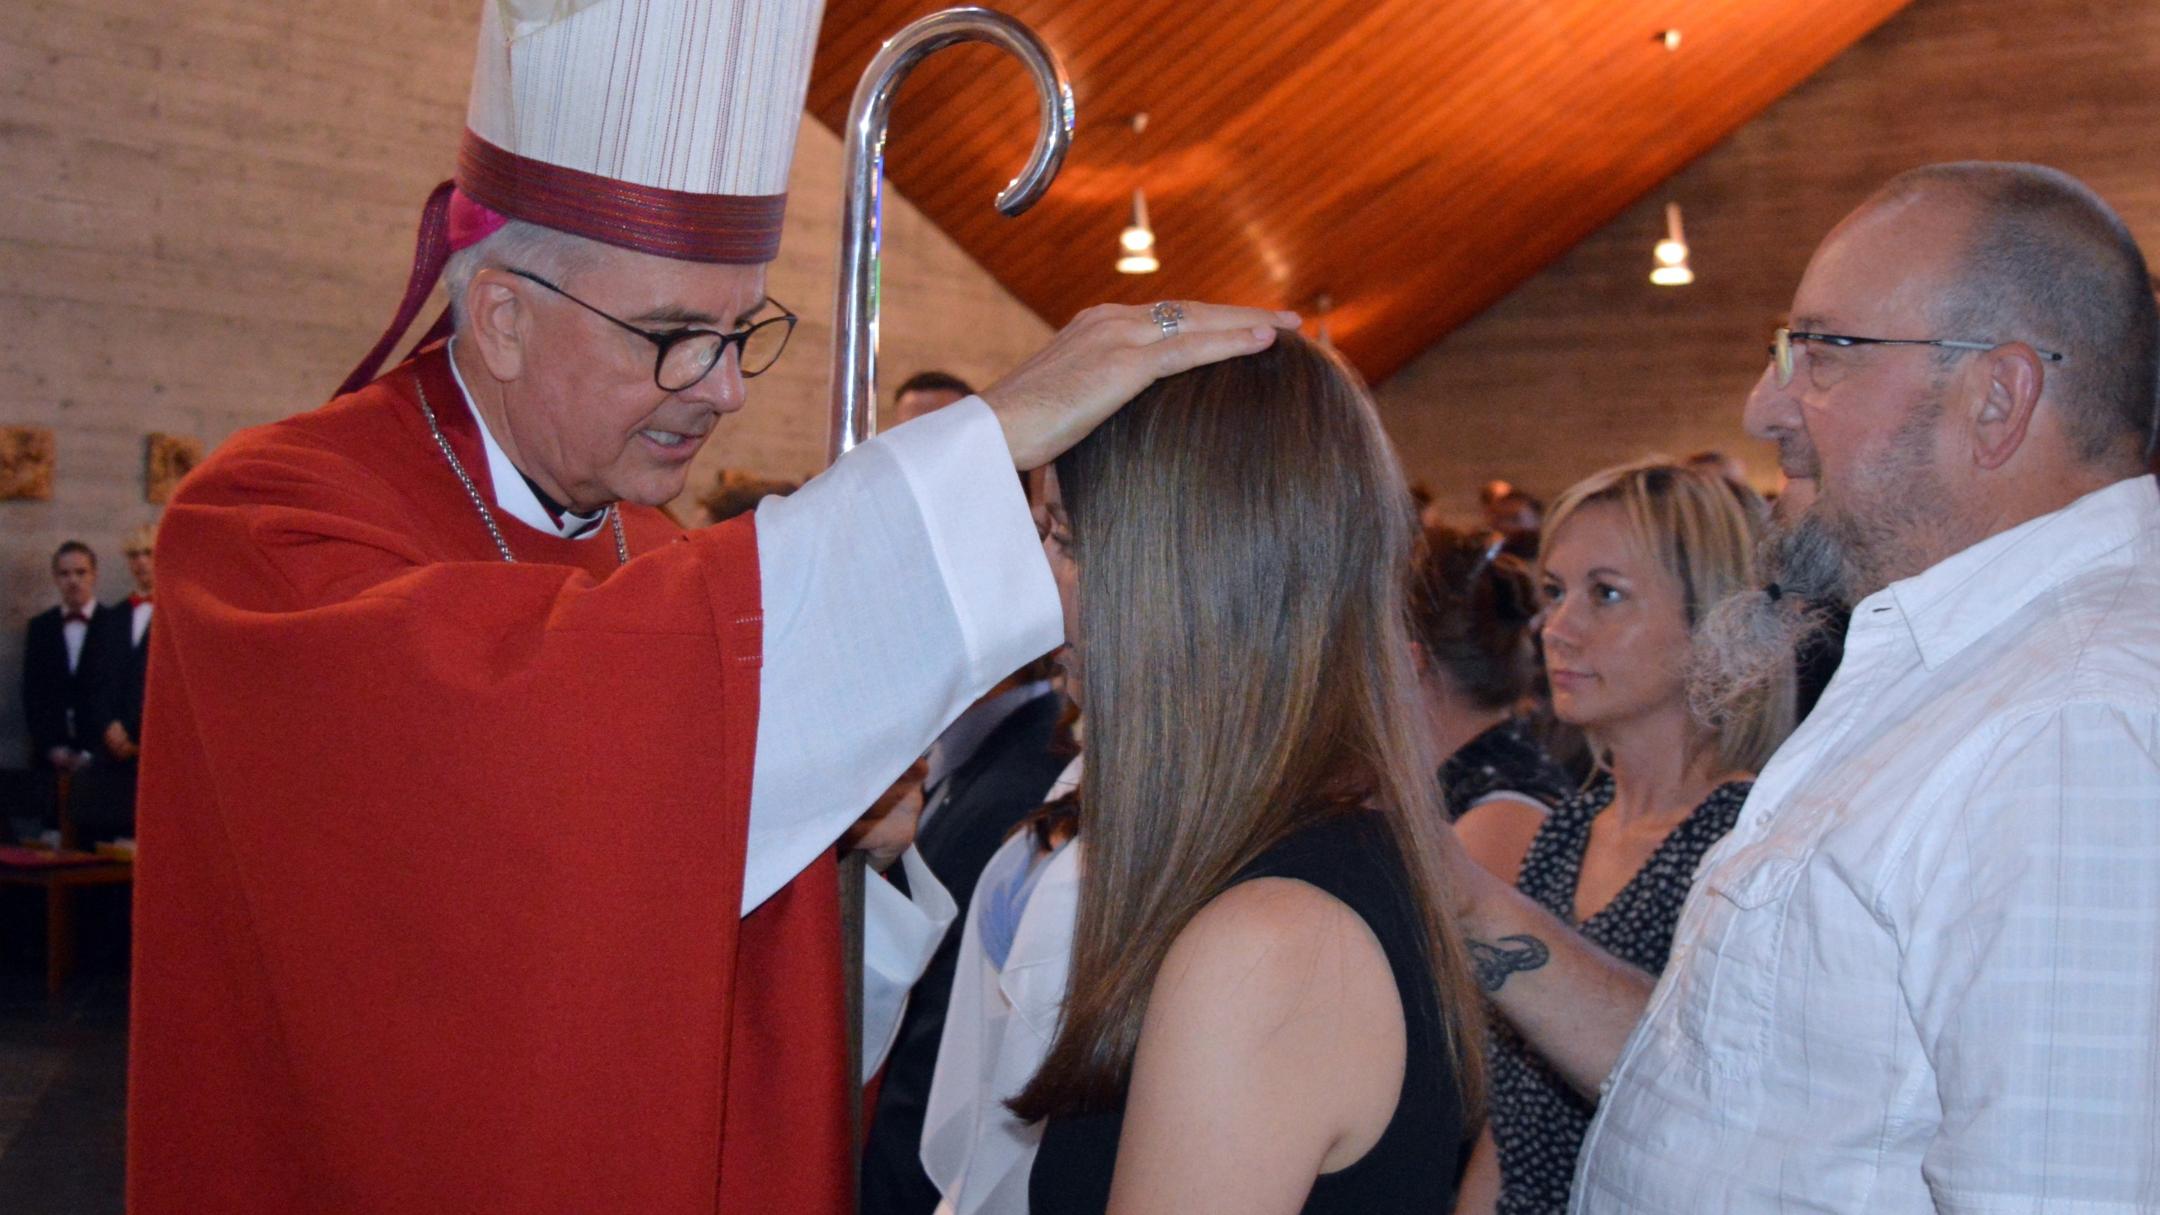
column 104, row 804
column 989, row 770
column 123, row 736
column 73, row 658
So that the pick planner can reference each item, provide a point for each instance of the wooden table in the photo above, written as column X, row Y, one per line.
column 60, row 883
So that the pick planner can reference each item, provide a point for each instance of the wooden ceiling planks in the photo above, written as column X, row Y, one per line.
column 1413, row 160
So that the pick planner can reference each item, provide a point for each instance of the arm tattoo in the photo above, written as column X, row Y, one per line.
column 1495, row 961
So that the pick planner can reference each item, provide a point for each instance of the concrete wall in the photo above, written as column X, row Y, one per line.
column 206, row 216
column 1588, row 364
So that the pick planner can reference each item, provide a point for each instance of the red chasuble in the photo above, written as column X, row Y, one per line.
column 441, row 859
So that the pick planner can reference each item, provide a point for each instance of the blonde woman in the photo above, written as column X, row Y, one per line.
column 1269, row 1010
column 1631, row 560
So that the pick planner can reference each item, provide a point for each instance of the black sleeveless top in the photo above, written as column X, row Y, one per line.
column 1416, row 1163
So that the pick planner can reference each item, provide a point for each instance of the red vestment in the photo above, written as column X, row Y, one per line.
column 441, row 859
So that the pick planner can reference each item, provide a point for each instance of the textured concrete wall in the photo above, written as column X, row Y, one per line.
column 206, row 216
column 1588, row 364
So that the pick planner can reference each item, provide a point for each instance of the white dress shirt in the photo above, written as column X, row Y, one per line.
column 897, row 586
column 73, row 632
column 998, row 1029
column 1923, row 971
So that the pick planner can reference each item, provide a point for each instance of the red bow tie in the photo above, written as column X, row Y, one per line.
column 83, row 615
column 137, row 600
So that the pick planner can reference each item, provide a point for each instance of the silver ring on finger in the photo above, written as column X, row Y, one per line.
column 1167, row 315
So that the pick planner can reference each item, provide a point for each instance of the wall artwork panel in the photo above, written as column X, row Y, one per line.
column 26, row 463
column 168, row 459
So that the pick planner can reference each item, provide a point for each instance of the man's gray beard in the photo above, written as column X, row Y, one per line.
column 1744, row 648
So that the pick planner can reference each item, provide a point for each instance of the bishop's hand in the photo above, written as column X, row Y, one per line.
column 1105, row 357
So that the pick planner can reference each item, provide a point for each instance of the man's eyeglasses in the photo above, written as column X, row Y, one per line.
column 1783, row 339
column 686, row 356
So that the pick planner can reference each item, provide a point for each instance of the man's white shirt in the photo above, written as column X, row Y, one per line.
column 73, row 633
column 1923, row 971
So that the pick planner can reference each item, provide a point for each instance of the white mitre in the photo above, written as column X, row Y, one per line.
column 663, row 126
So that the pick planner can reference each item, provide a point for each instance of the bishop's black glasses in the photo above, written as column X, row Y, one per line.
column 1783, row 339
column 686, row 356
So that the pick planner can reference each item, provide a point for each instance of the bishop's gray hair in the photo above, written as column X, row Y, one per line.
column 547, row 252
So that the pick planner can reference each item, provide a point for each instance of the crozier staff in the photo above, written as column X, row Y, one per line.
column 482, row 808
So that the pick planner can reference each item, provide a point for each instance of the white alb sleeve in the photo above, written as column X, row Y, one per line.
column 900, row 933
column 897, row 586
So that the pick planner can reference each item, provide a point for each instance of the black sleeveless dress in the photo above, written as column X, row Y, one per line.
column 1416, row 1163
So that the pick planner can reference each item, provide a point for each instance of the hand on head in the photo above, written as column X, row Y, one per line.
column 1104, row 358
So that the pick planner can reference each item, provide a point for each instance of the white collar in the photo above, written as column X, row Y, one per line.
column 511, row 493
column 1962, row 597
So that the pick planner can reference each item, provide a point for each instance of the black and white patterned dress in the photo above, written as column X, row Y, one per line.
column 1538, row 1119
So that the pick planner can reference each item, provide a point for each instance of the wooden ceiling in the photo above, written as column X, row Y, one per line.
column 1413, row 160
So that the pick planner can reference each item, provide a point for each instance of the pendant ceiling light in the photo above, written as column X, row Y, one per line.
column 1136, row 244
column 1671, row 255
column 1669, row 260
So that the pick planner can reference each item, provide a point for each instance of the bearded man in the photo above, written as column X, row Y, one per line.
column 1919, row 973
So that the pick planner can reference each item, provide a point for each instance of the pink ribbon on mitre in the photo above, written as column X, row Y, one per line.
column 450, row 221
column 471, row 222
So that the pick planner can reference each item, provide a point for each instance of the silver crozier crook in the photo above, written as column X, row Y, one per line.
column 855, row 307
column 855, row 303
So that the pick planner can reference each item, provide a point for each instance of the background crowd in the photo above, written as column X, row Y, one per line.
column 1964, row 402
column 84, row 662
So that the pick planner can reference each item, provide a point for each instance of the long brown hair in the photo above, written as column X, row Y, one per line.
column 1243, row 536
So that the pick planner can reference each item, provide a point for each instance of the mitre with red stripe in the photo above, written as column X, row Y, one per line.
column 663, row 126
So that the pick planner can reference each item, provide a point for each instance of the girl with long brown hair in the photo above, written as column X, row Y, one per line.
column 1269, row 1009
